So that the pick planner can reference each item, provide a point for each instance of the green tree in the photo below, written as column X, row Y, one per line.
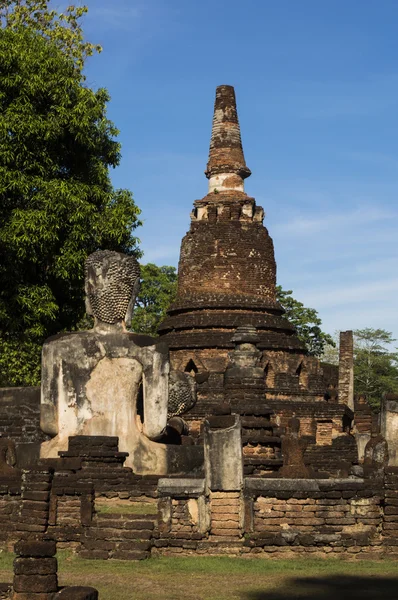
column 57, row 203
column 306, row 321
column 375, row 364
column 63, row 29
column 157, row 292
column 330, row 353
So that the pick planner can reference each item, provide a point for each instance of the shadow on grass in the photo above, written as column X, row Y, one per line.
column 334, row 587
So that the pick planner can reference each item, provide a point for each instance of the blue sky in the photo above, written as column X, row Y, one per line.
column 317, row 90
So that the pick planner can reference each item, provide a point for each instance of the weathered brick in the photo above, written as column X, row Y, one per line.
column 35, row 583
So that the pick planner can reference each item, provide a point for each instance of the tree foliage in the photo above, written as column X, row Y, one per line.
column 57, row 203
column 330, row 353
column 375, row 364
column 157, row 292
column 63, row 29
column 306, row 321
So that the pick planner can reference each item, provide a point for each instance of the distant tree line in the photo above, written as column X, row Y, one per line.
column 375, row 363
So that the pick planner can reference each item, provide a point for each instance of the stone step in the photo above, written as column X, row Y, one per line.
column 118, row 534
column 117, row 554
column 268, row 462
column 112, row 545
column 221, row 540
column 252, row 409
column 100, row 523
column 256, row 422
column 125, row 517
column 130, row 555
column 94, row 554
column 259, row 437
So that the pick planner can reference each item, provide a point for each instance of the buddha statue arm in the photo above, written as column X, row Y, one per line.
column 183, row 391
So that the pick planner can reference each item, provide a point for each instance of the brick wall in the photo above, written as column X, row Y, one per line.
column 20, row 421
column 225, row 514
column 390, row 516
column 275, row 517
column 282, row 518
column 10, row 504
column 184, row 515
column 324, row 517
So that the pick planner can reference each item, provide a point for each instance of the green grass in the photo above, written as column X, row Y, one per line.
column 125, row 508
column 6, row 560
column 219, row 578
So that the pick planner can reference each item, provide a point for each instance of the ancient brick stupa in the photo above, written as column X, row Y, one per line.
column 227, row 279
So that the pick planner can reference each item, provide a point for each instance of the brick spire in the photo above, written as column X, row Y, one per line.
column 226, row 167
column 226, row 298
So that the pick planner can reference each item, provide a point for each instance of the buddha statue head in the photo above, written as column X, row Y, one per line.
column 112, row 282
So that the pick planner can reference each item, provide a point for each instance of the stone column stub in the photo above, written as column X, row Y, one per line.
column 346, row 369
column 223, row 453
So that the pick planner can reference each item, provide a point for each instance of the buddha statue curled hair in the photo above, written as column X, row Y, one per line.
column 111, row 284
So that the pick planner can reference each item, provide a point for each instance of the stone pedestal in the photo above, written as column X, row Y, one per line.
column 35, row 570
column 35, row 574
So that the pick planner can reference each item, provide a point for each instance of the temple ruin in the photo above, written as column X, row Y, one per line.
column 225, row 435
